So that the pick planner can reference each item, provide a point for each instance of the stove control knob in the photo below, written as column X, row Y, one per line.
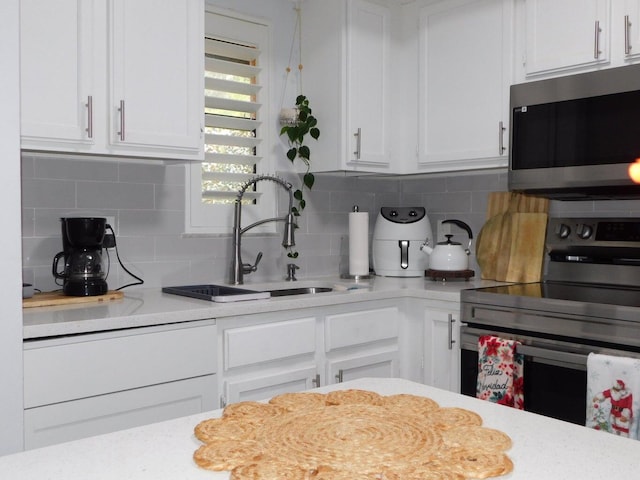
column 584, row 231
column 563, row 230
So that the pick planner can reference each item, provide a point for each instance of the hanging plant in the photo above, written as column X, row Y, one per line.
column 296, row 132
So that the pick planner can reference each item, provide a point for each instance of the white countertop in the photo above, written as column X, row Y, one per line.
column 144, row 307
column 543, row 448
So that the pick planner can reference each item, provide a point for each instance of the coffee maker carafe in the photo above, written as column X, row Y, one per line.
column 83, row 273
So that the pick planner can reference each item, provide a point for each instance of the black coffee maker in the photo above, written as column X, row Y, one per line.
column 83, row 273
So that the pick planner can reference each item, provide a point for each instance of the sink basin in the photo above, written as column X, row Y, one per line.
column 216, row 293
column 299, row 291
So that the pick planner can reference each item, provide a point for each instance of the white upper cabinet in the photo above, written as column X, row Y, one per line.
column 156, row 72
column 56, row 71
column 113, row 77
column 565, row 36
column 465, row 57
column 346, row 49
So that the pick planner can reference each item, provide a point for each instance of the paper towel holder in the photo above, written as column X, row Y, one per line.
column 355, row 277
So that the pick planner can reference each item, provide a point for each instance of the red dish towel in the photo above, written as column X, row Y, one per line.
column 500, row 372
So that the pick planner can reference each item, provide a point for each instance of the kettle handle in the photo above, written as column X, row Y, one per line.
column 54, row 267
column 464, row 226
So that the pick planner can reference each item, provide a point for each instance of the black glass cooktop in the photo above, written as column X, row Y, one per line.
column 593, row 294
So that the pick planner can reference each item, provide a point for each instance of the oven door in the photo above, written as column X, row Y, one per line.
column 555, row 372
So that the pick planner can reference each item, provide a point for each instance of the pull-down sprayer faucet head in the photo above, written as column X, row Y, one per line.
column 289, row 239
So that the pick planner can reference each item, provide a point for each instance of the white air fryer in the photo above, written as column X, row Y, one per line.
column 397, row 237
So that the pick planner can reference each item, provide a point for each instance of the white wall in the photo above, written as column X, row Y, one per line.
column 10, row 280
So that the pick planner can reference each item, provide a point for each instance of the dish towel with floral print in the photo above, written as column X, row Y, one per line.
column 613, row 394
column 500, row 371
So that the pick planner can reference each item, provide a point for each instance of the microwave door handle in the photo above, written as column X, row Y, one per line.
column 575, row 361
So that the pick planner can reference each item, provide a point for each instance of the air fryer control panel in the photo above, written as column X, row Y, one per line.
column 403, row 214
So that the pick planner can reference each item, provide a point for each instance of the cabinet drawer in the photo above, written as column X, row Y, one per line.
column 67, row 421
column 270, row 341
column 59, row 370
column 365, row 326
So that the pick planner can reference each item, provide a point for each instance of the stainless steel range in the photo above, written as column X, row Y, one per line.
column 589, row 301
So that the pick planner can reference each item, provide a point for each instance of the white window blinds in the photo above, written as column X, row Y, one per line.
column 236, row 135
column 232, row 132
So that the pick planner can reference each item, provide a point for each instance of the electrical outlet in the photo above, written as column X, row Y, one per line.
column 109, row 237
column 443, row 229
column 111, row 220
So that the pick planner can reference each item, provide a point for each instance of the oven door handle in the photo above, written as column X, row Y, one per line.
column 554, row 357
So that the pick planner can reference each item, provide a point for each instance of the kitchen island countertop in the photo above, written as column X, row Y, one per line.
column 149, row 306
column 543, row 448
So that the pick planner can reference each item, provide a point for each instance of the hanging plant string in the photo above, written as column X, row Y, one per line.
column 296, row 124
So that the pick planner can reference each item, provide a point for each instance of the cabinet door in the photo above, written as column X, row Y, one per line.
column 156, row 72
column 368, row 77
column 264, row 386
column 69, row 368
column 63, row 422
column 566, row 35
column 465, row 58
column 629, row 20
column 441, row 349
column 378, row 364
column 56, row 55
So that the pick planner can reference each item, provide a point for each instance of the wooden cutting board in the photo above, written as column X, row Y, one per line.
column 48, row 299
column 510, row 246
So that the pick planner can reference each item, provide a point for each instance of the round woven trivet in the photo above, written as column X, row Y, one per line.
column 269, row 468
column 298, row 401
column 474, row 464
column 226, row 454
column 411, row 403
column 353, row 396
column 453, row 417
column 229, row 428
column 476, row 438
column 252, row 411
column 359, row 438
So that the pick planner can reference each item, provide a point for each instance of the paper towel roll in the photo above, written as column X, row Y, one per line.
column 358, row 243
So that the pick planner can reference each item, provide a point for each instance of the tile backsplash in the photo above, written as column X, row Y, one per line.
column 147, row 201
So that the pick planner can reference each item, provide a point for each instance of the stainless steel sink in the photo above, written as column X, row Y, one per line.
column 225, row 293
column 299, row 291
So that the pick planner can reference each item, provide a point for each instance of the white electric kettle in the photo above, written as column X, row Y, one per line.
column 449, row 255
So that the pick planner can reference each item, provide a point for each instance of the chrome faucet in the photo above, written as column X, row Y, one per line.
column 240, row 269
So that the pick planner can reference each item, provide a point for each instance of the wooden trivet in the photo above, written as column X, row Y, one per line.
column 49, row 299
column 449, row 274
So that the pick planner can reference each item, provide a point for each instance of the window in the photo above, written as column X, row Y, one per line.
column 236, row 125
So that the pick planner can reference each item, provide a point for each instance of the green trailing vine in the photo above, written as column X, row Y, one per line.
column 306, row 125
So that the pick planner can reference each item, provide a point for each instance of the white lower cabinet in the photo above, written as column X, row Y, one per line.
column 62, row 422
column 267, row 354
column 272, row 353
column 362, row 343
column 441, row 351
column 90, row 384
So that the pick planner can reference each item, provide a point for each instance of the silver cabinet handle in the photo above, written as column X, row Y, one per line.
column 358, row 136
column 450, row 330
column 89, row 106
column 596, row 42
column 316, row 381
column 339, row 376
column 121, row 110
column 627, row 42
column 501, row 129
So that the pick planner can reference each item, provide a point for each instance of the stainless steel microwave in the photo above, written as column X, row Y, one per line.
column 573, row 137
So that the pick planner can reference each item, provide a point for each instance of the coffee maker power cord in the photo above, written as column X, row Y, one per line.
column 115, row 244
